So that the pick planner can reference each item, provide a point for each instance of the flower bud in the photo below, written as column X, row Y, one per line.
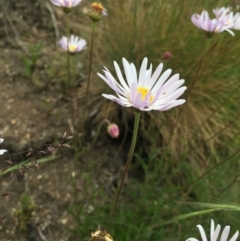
column 113, row 130
column 97, row 11
column 167, row 55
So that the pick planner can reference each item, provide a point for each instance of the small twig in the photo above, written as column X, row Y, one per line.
column 71, row 127
column 41, row 234
column 26, row 182
column 53, row 20
column 17, row 36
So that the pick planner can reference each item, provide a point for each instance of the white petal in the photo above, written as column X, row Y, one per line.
column 173, row 104
column 171, row 81
column 128, row 71
column 2, row 151
column 234, row 237
column 162, row 79
column 174, row 86
column 117, row 100
column 112, row 83
column 225, row 233
column 147, row 78
column 133, row 91
column 176, row 94
column 134, row 73
column 1, row 140
column 142, row 73
column 192, row 239
column 216, row 233
column 155, row 76
column 120, row 77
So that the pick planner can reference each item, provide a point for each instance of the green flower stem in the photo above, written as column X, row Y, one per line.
column 75, row 164
column 68, row 69
column 130, row 155
column 89, row 71
column 98, row 131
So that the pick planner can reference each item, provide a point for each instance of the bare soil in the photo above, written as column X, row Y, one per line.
column 36, row 110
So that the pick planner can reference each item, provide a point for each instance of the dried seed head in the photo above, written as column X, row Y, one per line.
column 101, row 235
column 97, row 11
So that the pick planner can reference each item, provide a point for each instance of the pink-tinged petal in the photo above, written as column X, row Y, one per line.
column 112, row 83
column 116, row 87
column 114, row 98
column 111, row 79
column 173, row 104
column 137, row 101
column 56, row 2
column 195, row 21
column 76, row 2
column 133, row 91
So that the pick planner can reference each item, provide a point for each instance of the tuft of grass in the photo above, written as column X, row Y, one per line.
column 157, row 204
column 34, row 52
column 209, row 118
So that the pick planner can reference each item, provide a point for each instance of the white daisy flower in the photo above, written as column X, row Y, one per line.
column 72, row 44
column 230, row 19
column 2, row 151
column 145, row 91
column 204, row 22
column 214, row 233
column 66, row 3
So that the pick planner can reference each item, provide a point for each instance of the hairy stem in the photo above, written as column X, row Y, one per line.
column 89, row 72
column 130, row 155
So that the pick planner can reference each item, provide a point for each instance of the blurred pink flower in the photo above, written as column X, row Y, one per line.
column 66, row 3
column 113, row 130
column 167, row 55
column 144, row 92
column 72, row 44
column 230, row 19
column 216, row 25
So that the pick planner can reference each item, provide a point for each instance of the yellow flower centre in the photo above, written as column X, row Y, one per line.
column 97, row 7
column 72, row 48
column 144, row 91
